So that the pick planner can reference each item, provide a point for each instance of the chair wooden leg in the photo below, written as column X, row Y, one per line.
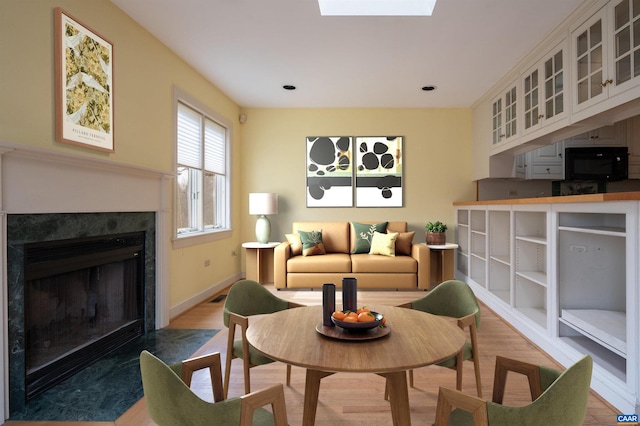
column 288, row 374
column 247, row 377
column 476, row 367
column 459, row 364
column 411, row 378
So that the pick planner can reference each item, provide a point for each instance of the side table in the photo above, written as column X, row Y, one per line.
column 259, row 261
column 441, row 258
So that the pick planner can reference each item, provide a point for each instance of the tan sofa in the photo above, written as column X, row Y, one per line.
column 372, row 271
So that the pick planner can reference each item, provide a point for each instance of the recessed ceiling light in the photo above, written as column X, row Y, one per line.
column 428, row 88
column 376, row 7
column 289, row 87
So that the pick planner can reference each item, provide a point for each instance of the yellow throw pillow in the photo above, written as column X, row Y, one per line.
column 384, row 244
column 295, row 243
column 404, row 242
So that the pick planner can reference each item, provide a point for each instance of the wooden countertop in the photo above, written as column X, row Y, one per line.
column 588, row 198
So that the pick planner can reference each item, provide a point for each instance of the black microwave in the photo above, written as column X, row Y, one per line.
column 601, row 163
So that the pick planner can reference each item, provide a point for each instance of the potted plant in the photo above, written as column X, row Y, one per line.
column 436, row 233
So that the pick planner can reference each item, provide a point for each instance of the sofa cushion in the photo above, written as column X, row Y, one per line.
column 329, row 263
column 335, row 235
column 312, row 243
column 403, row 242
column 295, row 243
column 383, row 264
column 364, row 235
column 384, row 244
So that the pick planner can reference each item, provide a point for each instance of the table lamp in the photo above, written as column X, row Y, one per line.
column 262, row 204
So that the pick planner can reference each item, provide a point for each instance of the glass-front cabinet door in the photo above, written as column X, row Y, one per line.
column 590, row 73
column 625, row 17
column 504, row 116
column 543, row 90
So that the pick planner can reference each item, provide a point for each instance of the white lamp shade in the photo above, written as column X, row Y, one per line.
column 263, row 203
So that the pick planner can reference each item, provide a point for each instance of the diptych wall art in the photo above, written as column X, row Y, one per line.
column 379, row 171
column 329, row 171
column 335, row 162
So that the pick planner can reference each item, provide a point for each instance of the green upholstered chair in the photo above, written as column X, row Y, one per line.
column 246, row 298
column 171, row 402
column 455, row 299
column 559, row 398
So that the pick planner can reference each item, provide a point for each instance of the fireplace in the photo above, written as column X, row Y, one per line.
column 83, row 299
column 80, row 285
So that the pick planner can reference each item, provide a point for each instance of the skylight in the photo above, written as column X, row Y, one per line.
column 376, row 7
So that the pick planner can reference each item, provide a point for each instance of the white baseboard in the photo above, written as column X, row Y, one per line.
column 196, row 299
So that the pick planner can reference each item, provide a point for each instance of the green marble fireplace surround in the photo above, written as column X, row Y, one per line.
column 29, row 228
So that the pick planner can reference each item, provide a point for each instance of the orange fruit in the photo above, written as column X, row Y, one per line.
column 352, row 314
column 366, row 316
column 363, row 309
column 338, row 315
column 383, row 320
column 350, row 318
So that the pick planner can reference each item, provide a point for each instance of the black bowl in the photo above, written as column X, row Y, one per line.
column 359, row 326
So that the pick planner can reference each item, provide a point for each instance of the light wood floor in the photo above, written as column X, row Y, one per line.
column 358, row 398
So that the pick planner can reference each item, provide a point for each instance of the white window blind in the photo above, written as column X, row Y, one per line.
column 214, row 147
column 189, row 137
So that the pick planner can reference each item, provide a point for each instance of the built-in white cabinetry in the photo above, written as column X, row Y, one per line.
column 462, row 236
column 530, row 283
column 546, row 162
column 505, row 115
column 478, row 252
column 565, row 274
column 499, row 254
column 612, row 135
column 543, row 90
column 592, row 285
column 633, row 143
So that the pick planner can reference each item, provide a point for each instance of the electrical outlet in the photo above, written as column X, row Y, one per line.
column 207, row 262
column 233, row 253
column 578, row 249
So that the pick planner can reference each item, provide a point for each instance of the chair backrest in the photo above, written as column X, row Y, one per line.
column 452, row 298
column 563, row 403
column 171, row 402
column 247, row 297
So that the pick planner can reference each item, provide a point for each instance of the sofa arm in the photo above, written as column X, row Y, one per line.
column 420, row 252
column 281, row 254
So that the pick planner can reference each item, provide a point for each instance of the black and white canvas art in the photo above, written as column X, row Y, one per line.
column 329, row 171
column 378, row 171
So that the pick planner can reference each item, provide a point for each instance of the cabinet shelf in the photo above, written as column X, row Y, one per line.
column 532, row 239
column 596, row 230
column 536, row 277
column 480, row 256
column 504, row 259
column 538, row 315
column 607, row 328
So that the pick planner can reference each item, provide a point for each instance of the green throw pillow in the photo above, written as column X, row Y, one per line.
column 364, row 235
column 312, row 243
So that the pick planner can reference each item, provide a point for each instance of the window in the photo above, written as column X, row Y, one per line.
column 202, row 182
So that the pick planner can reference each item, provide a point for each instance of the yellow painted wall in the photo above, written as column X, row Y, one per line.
column 144, row 77
column 268, row 151
column 437, row 162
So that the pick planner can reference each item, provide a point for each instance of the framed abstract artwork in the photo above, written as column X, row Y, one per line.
column 329, row 175
column 378, row 171
column 84, row 85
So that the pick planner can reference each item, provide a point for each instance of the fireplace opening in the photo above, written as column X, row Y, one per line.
column 84, row 298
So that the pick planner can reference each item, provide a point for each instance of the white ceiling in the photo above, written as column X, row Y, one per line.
column 251, row 48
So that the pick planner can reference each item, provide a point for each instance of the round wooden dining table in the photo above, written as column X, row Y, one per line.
column 412, row 339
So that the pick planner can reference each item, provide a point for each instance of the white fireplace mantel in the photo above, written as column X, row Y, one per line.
column 39, row 180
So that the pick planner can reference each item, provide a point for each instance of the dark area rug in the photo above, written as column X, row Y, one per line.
column 106, row 389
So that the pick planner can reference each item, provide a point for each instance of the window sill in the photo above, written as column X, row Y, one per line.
column 203, row 238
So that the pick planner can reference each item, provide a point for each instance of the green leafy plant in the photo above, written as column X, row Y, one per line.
column 436, row 227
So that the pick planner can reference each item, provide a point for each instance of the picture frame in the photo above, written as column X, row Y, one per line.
column 329, row 172
column 83, row 85
column 379, row 171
